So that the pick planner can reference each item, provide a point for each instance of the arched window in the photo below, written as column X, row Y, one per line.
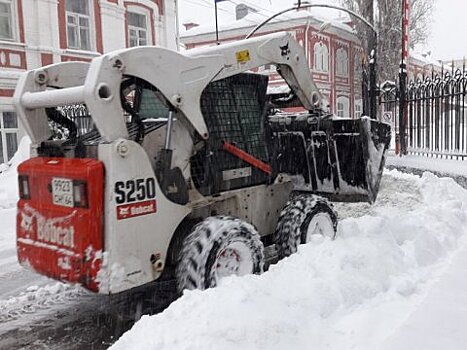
column 321, row 57
column 358, row 107
column 342, row 63
column 343, row 106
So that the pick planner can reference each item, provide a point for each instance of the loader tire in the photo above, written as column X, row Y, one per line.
column 302, row 217
column 218, row 247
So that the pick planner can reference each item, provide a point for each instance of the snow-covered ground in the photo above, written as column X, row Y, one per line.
column 433, row 164
column 387, row 282
column 13, row 278
column 26, row 298
column 393, row 279
column 18, row 287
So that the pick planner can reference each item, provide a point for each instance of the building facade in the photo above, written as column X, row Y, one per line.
column 35, row 33
column 334, row 54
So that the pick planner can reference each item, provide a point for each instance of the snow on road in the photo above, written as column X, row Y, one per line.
column 13, row 278
column 357, row 292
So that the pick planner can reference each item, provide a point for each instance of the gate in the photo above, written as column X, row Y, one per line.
column 434, row 114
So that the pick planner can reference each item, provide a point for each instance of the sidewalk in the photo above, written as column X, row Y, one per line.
column 440, row 322
column 456, row 169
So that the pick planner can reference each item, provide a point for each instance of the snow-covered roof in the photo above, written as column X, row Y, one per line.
column 423, row 59
column 337, row 20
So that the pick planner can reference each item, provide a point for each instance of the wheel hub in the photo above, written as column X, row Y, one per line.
column 321, row 224
column 234, row 259
column 227, row 262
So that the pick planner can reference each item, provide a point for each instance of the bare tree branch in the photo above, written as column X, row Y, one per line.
column 388, row 19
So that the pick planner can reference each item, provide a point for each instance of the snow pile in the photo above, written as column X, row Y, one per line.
column 438, row 165
column 35, row 298
column 9, row 175
column 353, row 292
column 9, row 197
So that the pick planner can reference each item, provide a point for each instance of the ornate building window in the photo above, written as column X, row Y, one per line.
column 342, row 63
column 343, row 107
column 358, row 65
column 8, row 135
column 137, row 29
column 78, row 24
column 321, row 55
column 6, row 20
column 358, row 107
column 140, row 23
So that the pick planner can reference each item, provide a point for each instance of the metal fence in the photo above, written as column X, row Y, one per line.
column 78, row 114
column 434, row 114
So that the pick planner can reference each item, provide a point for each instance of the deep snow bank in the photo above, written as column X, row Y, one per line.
column 9, row 195
column 9, row 175
column 349, row 293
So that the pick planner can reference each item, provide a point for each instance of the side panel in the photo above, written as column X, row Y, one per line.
column 258, row 205
column 139, row 224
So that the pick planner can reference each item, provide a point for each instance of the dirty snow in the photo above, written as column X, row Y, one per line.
column 357, row 292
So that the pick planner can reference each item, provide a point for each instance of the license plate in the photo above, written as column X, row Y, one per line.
column 62, row 192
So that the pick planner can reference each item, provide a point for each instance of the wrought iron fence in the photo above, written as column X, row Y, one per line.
column 435, row 113
column 79, row 115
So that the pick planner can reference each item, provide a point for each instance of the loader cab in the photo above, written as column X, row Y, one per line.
column 235, row 113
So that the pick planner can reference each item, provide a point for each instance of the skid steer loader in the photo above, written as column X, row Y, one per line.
column 182, row 164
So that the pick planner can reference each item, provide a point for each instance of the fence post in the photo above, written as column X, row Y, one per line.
column 402, row 107
column 403, row 76
column 373, row 85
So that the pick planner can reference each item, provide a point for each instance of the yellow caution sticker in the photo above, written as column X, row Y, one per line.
column 242, row 56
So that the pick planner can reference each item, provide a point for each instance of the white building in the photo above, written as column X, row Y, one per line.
column 35, row 33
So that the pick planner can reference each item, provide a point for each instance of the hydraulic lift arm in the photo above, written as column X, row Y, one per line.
column 181, row 78
column 280, row 49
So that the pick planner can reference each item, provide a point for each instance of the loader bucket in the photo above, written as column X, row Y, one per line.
column 360, row 147
column 342, row 159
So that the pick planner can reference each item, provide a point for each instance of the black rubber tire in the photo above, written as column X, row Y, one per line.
column 201, row 247
column 294, row 220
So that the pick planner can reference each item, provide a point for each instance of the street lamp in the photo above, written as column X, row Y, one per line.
column 372, row 43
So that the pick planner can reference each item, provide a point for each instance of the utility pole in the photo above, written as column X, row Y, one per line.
column 403, row 79
column 368, row 12
column 177, row 28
